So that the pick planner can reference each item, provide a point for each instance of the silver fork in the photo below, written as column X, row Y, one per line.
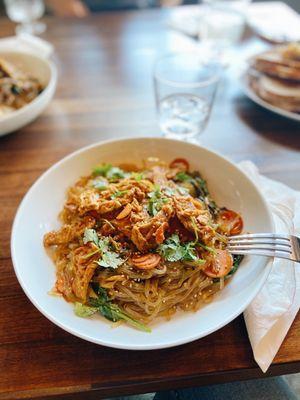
column 266, row 244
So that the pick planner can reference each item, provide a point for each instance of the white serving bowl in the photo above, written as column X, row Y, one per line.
column 42, row 69
column 38, row 213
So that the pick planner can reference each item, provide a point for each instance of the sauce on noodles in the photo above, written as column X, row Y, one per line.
column 137, row 244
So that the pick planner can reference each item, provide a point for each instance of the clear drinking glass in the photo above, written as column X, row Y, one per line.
column 222, row 24
column 26, row 12
column 185, row 86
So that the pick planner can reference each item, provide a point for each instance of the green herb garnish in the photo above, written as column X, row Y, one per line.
column 99, row 185
column 236, row 263
column 172, row 250
column 183, row 177
column 156, row 201
column 109, row 172
column 207, row 248
column 138, row 176
column 83, row 311
column 118, row 193
column 104, row 305
column 109, row 258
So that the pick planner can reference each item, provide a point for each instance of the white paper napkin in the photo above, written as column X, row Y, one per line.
column 270, row 315
column 27, row 43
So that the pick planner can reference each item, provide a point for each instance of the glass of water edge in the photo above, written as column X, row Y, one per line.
column 222, row 24
column 26, row 13
column 185, row 85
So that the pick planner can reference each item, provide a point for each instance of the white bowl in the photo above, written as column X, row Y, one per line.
column 38, row 213
column 40, row 68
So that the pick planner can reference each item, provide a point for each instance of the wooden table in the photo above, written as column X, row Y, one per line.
column 104, row 91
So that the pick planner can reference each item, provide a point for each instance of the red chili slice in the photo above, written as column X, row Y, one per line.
column 181, row 164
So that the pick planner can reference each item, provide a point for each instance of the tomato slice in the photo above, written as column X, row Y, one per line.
column 181, row 164
column 230, row 222
column 221, row 264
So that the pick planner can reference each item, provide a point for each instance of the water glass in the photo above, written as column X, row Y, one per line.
column 185, row 86
column 223, row 22
column 26, row 12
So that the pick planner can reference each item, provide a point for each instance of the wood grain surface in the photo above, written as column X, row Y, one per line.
column 105, row 90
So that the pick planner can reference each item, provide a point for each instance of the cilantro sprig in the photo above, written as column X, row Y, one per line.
column 118, row 193
column 109, row 258
column 156, row 201
column 99, row 184
column 108, row 171
column 172, row 250
column 111, row 311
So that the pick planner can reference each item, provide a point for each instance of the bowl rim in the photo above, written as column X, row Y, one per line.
column 50, row 86
column 132, row 346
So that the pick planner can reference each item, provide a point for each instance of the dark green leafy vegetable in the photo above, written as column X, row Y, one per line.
column 112, row 311
column 16, row 89
column 237, row 259
column 172, row 250
column 83, row 311
column 203, row 193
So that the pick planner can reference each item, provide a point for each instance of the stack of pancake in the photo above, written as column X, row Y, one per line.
column 275, row 76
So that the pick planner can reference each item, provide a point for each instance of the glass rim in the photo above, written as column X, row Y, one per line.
column 206, row 82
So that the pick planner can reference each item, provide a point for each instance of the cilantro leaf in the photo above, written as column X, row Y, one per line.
column 109, row 172
column 138, row 176
column 172, row 250
column 156, row 201
column 99, row 185
column 90, row 235
column 102, row 169
column 183, row 177
column 115, row 173
column 103, row 244
column 118, row 193
column 83, row 311
column 110, row 259
column 179, row 189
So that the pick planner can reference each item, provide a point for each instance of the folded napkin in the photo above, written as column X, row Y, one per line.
column 27, row 43
column 270, row 315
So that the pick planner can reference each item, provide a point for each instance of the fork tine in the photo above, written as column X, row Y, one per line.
column 260, row 235
column 270, row 253
column 259, row 241
column 271, row 247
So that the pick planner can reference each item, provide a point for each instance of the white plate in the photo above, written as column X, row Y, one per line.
column 244, row 81
column 40, row 68
column 38, row 212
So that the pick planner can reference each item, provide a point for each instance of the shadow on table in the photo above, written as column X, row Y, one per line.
column 271, row 126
